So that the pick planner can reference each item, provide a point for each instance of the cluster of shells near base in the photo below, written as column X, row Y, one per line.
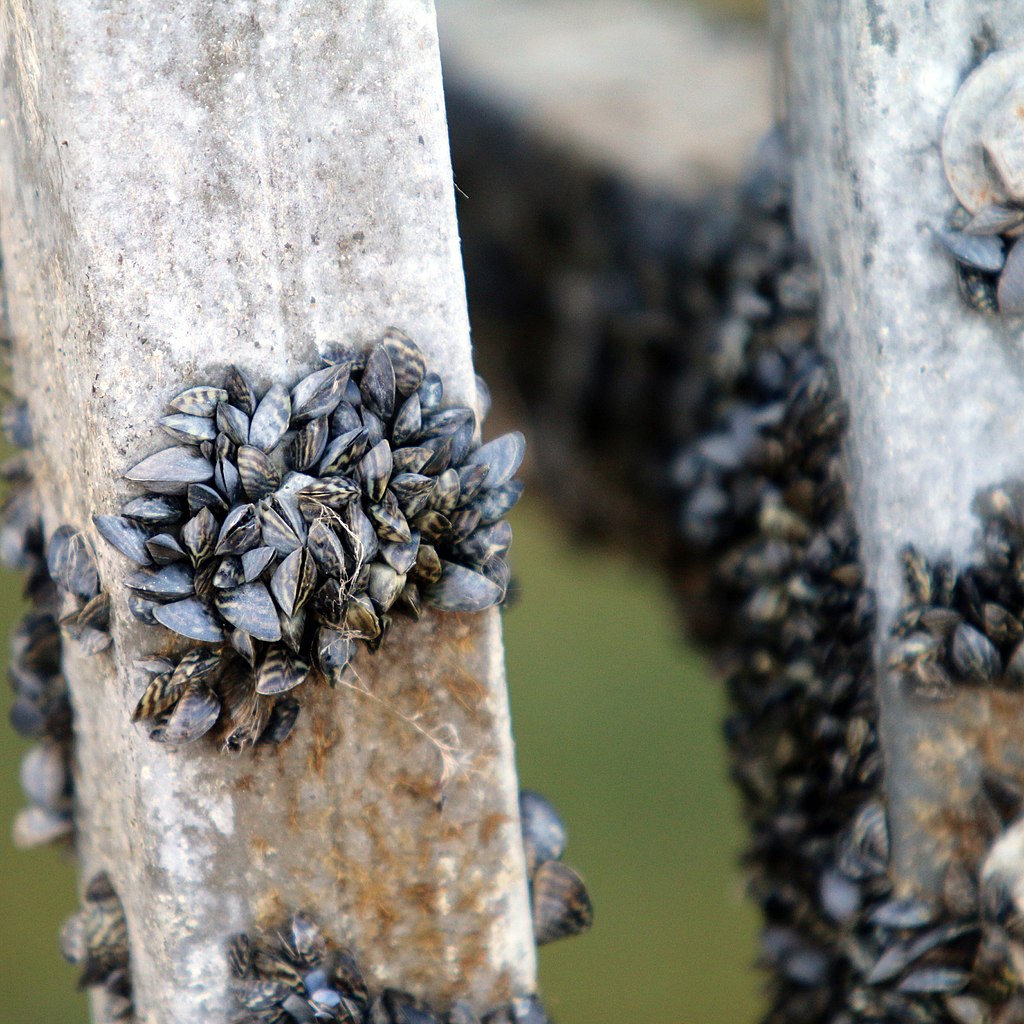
column 295, row 973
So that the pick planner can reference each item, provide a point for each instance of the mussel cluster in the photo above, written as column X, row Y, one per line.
column 41, row 709
column 559, row 899
column 281, row 531
column 989, row 265
column 96, row 939
column 965, row 628
column 296, row 974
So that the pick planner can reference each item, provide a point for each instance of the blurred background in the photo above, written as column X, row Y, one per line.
column 616, row 720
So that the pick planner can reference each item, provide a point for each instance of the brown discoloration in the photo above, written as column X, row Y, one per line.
column 489, row 827
column 952, row 744
column 425, row 895
column 417, row 786
column 261, row 846
column 243, row 784
column 269, row 910
column 466, row 690
column 325, row 737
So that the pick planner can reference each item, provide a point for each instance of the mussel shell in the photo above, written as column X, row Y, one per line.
column 344, row 450
column 407, row 360
column 1010, row 290
column 161, row 693
column 502, row 456
column 375, row 470
column 250, row 608
column 317, row 395
column 201, row 496
column 194, row 715
column 496, row 503
column 126, row 535
column 199, row 401
column 309, row 444
column 561, row 904
column 334, row 652
column 280, row 672
column 45, row 777
column 70, row 562
column 190, row 618
column 401, row 556
column 233, row 423
column 544, row 834
column 281, row 722
column 980, row 252
column 377, row 384
column 239, row 390
column 164, row 549
column 165, row 583
column 334, row 492
column 270, row 420
column 171, row 470
column 408, row 422
column 974, row 656
column 187, row 429
column 258, row 474
column 461, row 590
column 240, row 532
column 294, row 581
column 36, row 826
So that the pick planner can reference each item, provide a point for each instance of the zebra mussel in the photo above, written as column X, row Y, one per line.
column 96, row 939
column 41, row 709
column 966, row 627
column 296, row 973
column 280, row 532
column 980, row 154
column 558, row 896
column 85, row 608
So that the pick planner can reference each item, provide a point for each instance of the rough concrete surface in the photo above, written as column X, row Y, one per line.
column 935, row 389
column 187, row 184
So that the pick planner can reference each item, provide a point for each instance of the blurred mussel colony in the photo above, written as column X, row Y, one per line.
column 764, row 553
column 277, row 535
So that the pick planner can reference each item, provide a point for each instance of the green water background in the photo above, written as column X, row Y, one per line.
column 617, row 722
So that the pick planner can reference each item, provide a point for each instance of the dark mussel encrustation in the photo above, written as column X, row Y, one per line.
column 296, row 973
column 96, row 939
column 283, row 530
column 41, row 709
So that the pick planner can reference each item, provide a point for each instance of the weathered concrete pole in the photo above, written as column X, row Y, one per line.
column 934, row 388
column 186, row 185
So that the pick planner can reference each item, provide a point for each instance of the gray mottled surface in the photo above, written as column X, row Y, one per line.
column 935, row 390
column 190, row 183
